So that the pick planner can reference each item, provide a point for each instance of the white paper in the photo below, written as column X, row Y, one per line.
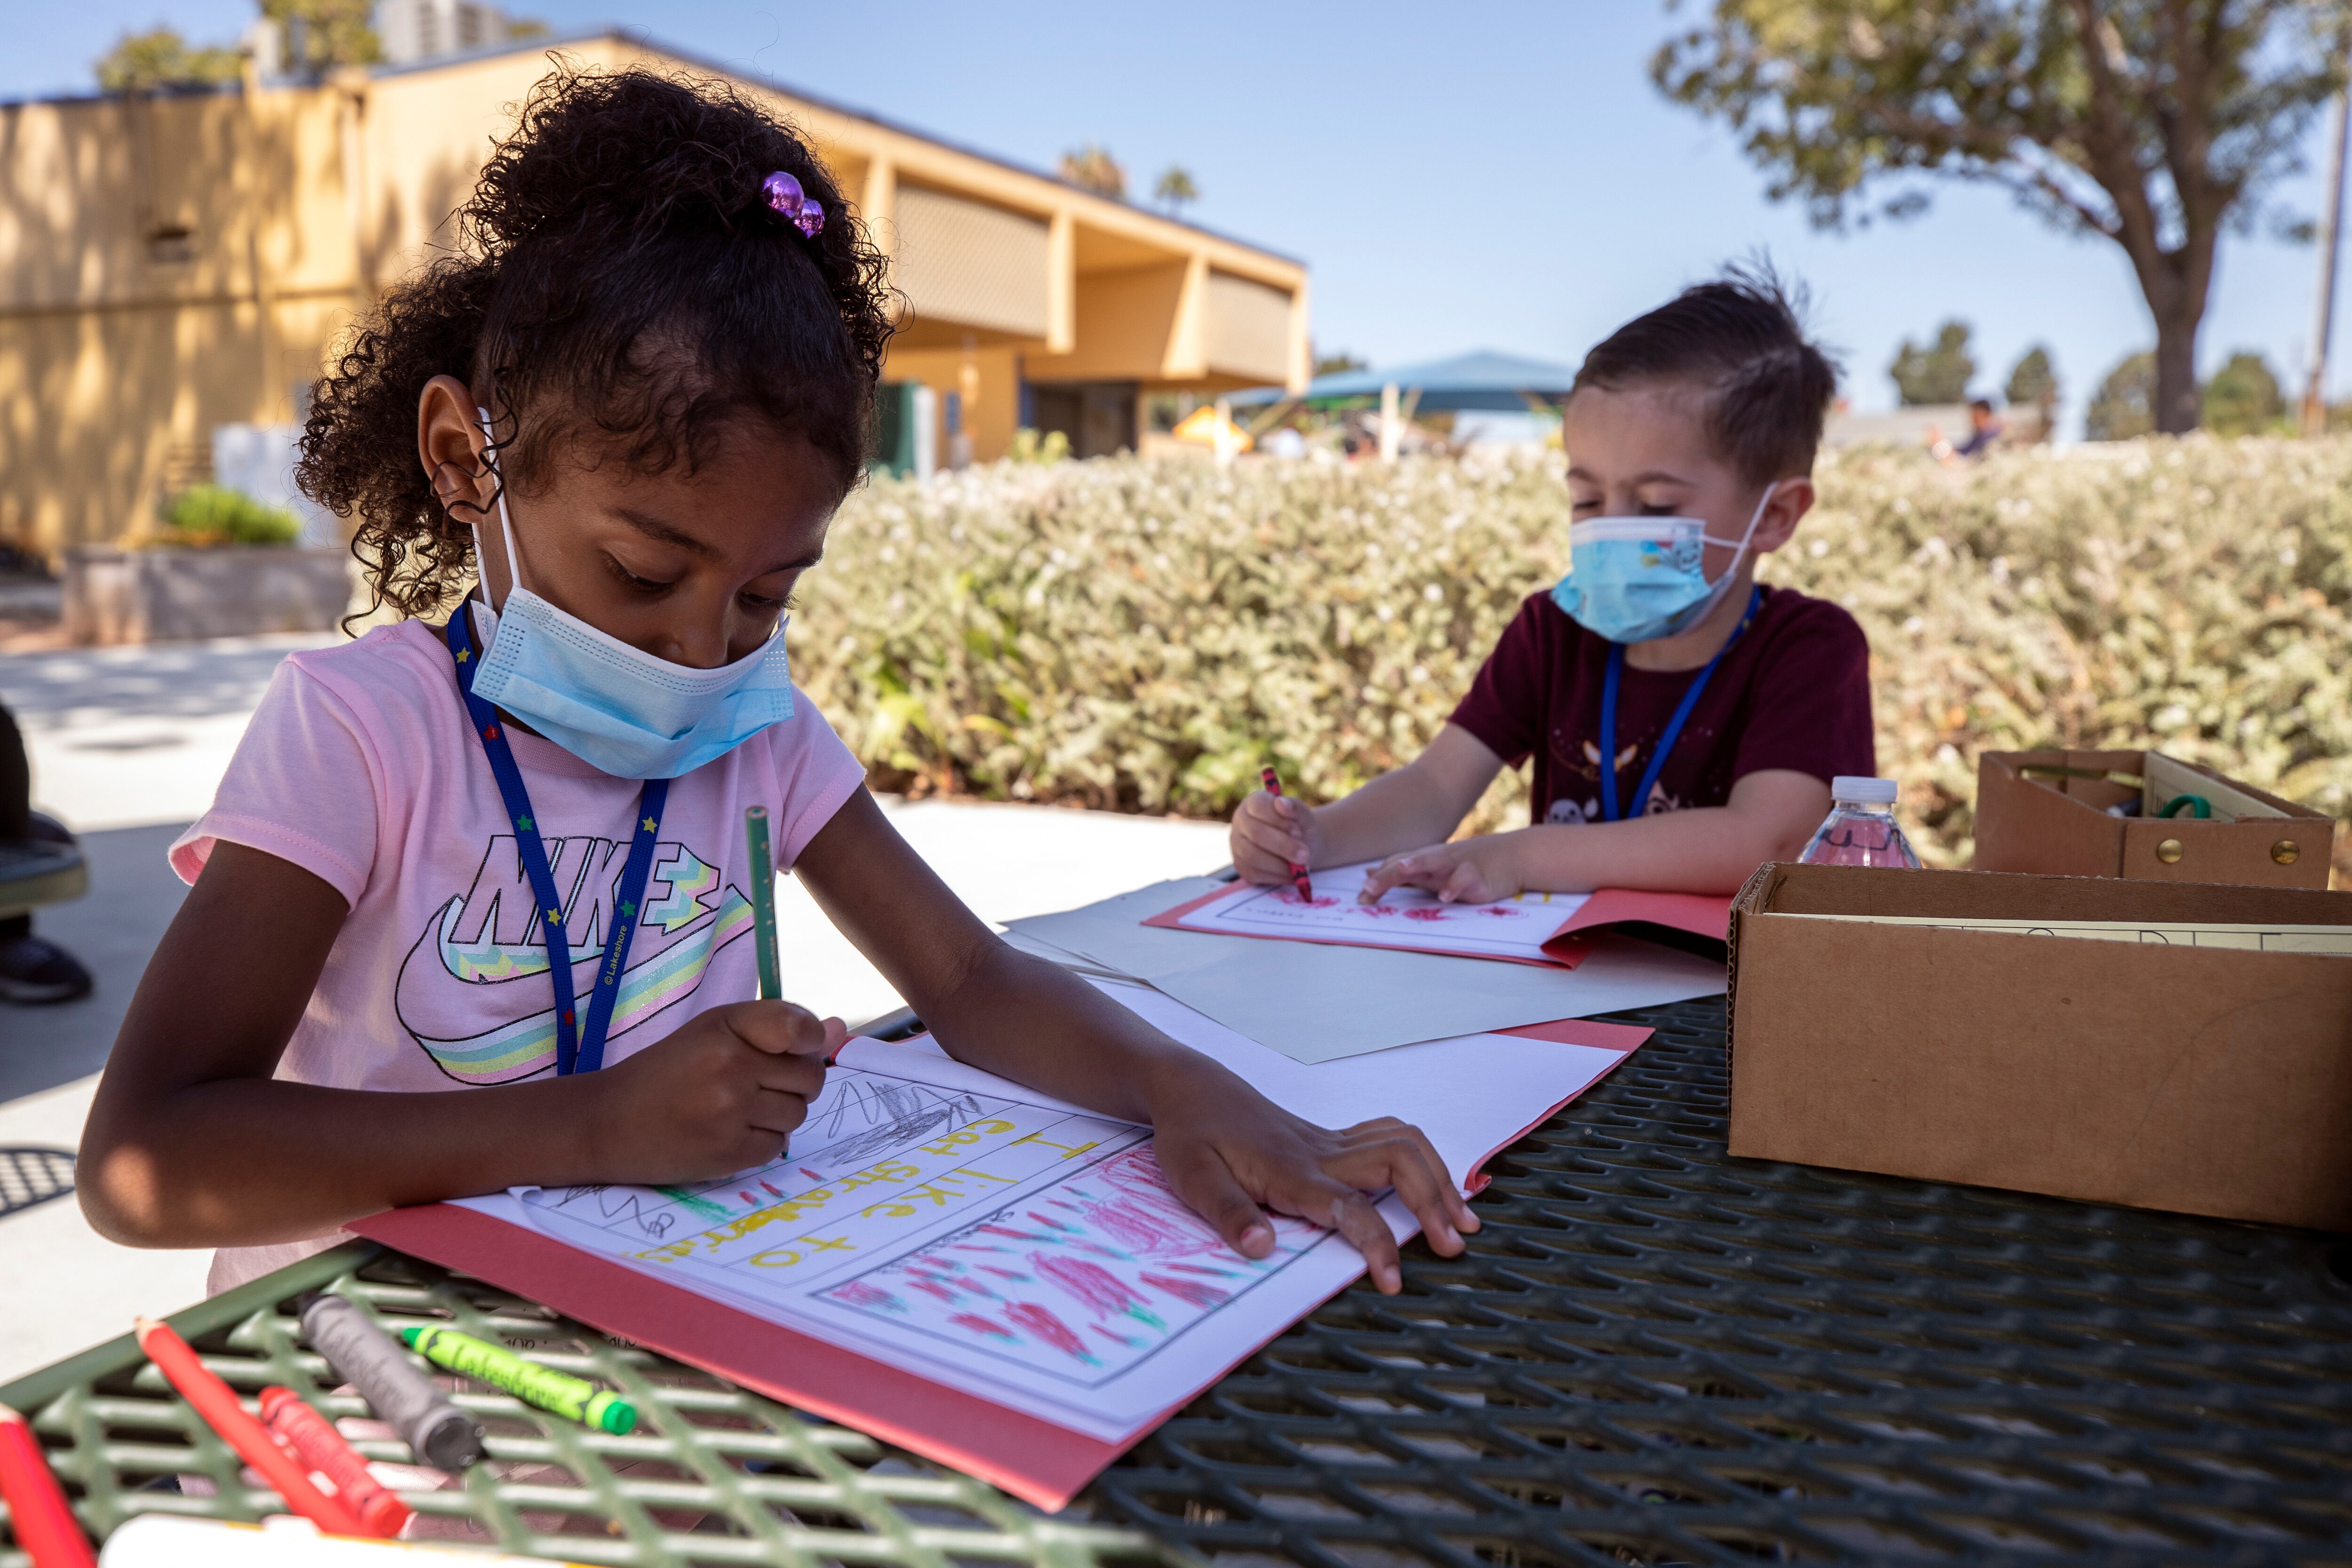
column 940, row 1219
column 1317, row 1002
column 1404, row 917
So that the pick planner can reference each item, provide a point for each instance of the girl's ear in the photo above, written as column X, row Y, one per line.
column 450, row 443
column 1790, row 503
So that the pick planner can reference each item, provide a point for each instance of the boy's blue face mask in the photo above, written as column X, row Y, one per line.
column 615, row 707
column 1636, row 579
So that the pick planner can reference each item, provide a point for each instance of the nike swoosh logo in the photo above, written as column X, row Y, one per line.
column 446, row 986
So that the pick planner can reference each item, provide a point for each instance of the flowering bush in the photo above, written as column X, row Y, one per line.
column 1143, row 635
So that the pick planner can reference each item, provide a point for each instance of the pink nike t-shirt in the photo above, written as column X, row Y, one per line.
column 360, row 767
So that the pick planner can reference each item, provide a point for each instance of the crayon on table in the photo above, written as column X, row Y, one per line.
column 165, row 1541
column 317, row 1444
column 1272, row 783
column 38, row 1515
column 217, row 1403
column 574, row 1398
column 364, row 1355
column 763, row 903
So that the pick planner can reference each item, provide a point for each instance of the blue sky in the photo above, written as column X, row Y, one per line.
column 1508, row 180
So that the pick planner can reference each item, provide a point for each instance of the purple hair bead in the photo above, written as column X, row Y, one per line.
column 783, row 193
column 809, row 219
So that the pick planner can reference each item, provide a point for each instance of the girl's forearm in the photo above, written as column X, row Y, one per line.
column 1020, row 1016
column 243, row 1162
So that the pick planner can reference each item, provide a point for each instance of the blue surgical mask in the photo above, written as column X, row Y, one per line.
column 1636, row 579
column 615, row 707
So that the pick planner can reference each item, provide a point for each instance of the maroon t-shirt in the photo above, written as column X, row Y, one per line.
column 1793, row 692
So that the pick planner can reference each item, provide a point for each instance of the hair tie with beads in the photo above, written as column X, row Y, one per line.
column 783, row 193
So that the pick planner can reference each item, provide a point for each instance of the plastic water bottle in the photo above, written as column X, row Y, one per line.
column 1861, row 829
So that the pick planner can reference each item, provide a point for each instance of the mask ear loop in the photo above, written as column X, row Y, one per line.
column 1721, row 585
column 506, row 523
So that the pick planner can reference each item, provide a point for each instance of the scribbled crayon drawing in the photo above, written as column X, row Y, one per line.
column 873, row 1297
column 1429, row 912
column 1042, row 1323
column 1191, row 1292
column 980, row 1325
column 1116, row 1268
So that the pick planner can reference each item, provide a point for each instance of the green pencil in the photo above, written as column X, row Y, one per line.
column 764, row 902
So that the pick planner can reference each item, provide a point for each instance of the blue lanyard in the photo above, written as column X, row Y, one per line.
column 1673, row 729
column 573, row 1051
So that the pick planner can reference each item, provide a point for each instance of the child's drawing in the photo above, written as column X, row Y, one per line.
column 1082, row 1282
column 1404, row 917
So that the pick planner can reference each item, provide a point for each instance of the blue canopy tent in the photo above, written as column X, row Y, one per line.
column 1480, row 380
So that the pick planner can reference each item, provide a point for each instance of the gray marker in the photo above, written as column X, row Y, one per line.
column 371, row 1361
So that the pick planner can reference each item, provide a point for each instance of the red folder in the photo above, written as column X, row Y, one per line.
column 1675, row 918
column 1027, row 1456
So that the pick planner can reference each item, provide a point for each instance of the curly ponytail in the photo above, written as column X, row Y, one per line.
column 617, row 281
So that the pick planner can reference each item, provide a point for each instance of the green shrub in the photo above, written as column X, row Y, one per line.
column 1142, row 634
column 214, row 514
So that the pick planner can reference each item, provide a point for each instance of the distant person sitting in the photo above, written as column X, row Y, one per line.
column 32, row 970
column 1984, row 430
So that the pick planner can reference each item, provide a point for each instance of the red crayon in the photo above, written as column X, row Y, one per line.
column 318, row 1445
column 216, row 1402
column 38, row 1515
column 1297, row 872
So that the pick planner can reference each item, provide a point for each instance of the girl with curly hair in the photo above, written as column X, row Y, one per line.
column 605, row 438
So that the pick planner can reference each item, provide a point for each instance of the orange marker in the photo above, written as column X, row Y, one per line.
column 38, row 1515
column 216, row 1402
column 1268, row 777
column 318, row 1445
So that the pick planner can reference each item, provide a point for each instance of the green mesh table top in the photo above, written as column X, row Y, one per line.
column 1653, row 1354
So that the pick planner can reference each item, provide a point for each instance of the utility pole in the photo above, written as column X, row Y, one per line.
column 2331, row 231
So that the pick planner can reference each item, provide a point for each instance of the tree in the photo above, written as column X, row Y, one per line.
column 2033, row 381
column 2151, row 122
column 2125, row 405
column 2243, row 397
column 141, row 62
column 1092, row 168
column 1937, row 374
column 1339, row 364
column 322, row 35
column 1175, row 189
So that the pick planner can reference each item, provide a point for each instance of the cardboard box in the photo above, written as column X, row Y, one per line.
column 2031, row 816
column 2202, row 1079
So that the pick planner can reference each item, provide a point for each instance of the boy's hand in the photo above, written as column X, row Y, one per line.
column 1269, row 834
column 1231, row 1153
column 721, row 1095
column 1481, row 870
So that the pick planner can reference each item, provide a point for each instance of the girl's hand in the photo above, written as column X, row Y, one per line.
column 721, row 1095
column 1270, row 833
column 1471, row 871
column 1231, row 1153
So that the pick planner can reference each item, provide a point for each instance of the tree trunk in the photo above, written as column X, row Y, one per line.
column 2177, row 406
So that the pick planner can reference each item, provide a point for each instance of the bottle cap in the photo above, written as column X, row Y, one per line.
column 1861, row 791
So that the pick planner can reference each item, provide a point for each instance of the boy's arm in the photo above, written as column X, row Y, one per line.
column 193, row 1142
column 1224, row 1147
column 1770, row 815
column 1420, row 803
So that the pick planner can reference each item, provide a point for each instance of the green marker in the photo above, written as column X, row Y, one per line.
column 764, row 902
column 574, row 1398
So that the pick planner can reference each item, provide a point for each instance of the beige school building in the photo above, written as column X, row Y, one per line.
column 173, row 263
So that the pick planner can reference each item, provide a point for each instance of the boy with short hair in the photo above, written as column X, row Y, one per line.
column 1685, row 722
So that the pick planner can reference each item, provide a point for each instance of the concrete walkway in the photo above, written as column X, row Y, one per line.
column 127, row 747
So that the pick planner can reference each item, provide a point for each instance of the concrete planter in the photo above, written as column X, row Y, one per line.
column 172, row 595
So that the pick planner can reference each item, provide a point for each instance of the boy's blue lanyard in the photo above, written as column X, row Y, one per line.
column 574, row 1052
column 1673, row 729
